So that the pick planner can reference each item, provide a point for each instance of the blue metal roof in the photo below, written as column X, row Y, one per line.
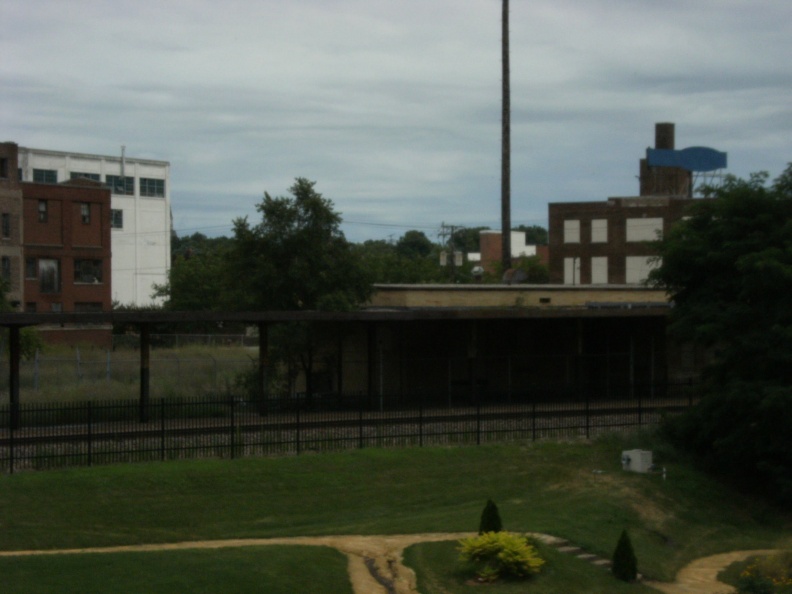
column 694, row 158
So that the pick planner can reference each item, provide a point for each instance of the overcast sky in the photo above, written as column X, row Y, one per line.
column 393, row 106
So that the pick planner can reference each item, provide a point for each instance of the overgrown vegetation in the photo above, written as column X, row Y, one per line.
column 771, row 574
column 728, row 269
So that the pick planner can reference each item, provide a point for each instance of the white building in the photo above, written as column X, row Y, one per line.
column 140, row 203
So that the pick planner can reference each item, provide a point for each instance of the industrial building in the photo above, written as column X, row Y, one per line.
column 140, row 215
column 610, row 242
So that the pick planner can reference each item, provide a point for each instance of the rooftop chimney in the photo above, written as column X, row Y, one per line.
column 664, row 136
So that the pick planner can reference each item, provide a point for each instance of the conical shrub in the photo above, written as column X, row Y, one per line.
column 625, row 565
column 490, row 518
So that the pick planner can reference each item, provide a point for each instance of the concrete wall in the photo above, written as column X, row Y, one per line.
column 539, row 296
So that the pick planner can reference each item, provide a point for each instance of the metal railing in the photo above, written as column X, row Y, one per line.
column 52, row 435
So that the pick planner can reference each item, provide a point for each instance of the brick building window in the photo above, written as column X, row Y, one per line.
column 81, row 175
column 49, row 275
column 43, row 211
column 648, row 229
column 87, row 271
column 599, row 270
column 572, row 271
column 45, row 176
column 85, row 213
column 5, row 269
column 5, row 225
column 599, row 231
column 3, row 167
column 31, row 268
column 637, row 268
column 152, row 187
column 121, row 185
column 572, row 231
column 116, row 219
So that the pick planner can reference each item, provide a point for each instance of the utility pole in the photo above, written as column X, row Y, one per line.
column 450, row 231
column 505, row 144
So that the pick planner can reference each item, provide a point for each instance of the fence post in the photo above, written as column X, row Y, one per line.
column 108, row 366
column 533, row 419
column 478, row 423
column 36, row 371
column 298, row 429
column 420, row 425
column 233, row 426
column 90, row 433
column 640, row 409
column 12, row 450
column 360, row 426
column 588, row 416
column 162, row 428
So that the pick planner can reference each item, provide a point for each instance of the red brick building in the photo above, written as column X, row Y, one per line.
column 55, row 248
column 10, row 224
column 67, row 254
column 610, row 242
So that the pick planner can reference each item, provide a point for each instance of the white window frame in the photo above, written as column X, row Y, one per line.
column 637, row 268
column 644, row 229
column 599, row 231
column 572, row 231
column 599, row 270
column 572, row 270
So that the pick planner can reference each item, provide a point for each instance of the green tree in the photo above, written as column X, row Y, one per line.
column 198, row 278
column 490, row 518
column 296, row 257
column 534, row 234
column 387, row 264
column 624, row 565
column 728, row 271
column 414, row 244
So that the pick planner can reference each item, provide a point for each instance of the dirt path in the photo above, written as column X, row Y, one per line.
column 375, row 562
column 701, row 576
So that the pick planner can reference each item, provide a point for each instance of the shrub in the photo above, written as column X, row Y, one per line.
column 490, row 518
column 500, row 554
column 625, row 565
column 767, row 575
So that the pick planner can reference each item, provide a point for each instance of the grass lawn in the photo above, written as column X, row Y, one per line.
column 244, row 570
column 573, row 490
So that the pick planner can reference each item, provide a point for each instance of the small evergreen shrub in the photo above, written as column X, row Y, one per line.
column 495, row 555
column 625, row 565
column 490, row 518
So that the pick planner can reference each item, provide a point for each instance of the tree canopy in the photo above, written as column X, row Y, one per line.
column 295, row 257
column 728, row 271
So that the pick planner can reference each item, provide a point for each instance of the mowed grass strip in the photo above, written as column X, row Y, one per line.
column 244, row 570
column 573, row 490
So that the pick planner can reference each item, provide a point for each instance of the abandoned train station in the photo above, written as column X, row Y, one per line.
column 453, row 344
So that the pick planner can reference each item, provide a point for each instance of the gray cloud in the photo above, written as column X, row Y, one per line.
column 394, row 107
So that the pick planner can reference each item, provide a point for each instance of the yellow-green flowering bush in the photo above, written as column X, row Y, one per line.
column 768, row 575
column 495, row 555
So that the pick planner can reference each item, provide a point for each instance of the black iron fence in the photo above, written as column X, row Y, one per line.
column 88, row 433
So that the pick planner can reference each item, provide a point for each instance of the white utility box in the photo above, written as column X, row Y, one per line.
column 636, row 460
